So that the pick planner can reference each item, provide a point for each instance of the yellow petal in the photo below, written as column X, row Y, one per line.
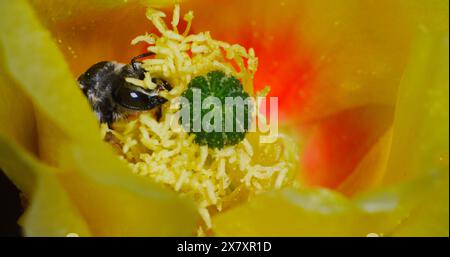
column 420, row 133
column 33, row 60
column 50, row 212
column 62, row 9
column 321, row 212
column 431, row 218
column 418, row 141
column 371, row 169
column 16, row 112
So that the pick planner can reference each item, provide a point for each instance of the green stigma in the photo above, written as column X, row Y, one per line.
column 220, row 111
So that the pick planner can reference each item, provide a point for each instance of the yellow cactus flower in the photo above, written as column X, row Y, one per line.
column 363, row 85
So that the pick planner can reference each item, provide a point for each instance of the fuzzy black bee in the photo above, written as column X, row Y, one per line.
column 112, row 97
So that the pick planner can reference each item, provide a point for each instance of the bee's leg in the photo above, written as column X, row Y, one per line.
column 162, row 84
column 108, row 122
column 104, row 113
column 134, row 61
column 156, row 101
column 158, row 113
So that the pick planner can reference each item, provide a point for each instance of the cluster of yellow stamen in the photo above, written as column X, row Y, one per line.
column 216, row 179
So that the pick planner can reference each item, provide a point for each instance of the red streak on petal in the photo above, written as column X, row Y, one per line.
column 339, row 142
column 284, row 65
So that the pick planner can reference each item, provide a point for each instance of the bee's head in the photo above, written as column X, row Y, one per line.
column 136, row 98
column 112, row 97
